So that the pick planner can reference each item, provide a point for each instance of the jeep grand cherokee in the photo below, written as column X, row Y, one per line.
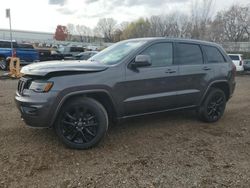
column 131, row 78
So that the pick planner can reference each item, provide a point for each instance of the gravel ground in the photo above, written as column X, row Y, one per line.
column 166, row 150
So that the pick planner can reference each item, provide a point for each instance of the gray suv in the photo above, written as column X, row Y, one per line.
column 131, row 78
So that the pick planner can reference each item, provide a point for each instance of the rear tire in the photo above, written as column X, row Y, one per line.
column 213, row 106
column 82, row 123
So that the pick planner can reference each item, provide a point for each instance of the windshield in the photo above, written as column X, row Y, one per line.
column 115, row 53
column 60, row 49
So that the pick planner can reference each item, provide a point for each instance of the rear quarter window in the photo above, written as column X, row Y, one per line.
column 213, row 55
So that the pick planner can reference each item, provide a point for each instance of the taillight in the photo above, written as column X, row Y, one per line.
column 241, row 62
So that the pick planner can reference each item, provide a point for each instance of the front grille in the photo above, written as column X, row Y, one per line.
column 23, row 84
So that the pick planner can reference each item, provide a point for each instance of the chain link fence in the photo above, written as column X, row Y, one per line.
column 236, row 46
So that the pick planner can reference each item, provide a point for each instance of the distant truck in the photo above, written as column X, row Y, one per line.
column 69, row 51
column 48, row 54
column 27, row 54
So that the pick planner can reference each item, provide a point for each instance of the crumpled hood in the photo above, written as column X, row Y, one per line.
column 44, row 68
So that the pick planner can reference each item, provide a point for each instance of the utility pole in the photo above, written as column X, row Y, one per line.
column 11, row 42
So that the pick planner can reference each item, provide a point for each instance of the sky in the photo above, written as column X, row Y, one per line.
column 45, row 15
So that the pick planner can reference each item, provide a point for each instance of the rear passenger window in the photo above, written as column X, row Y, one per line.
column 188, row 54
column 213, row 54
column 161, row 54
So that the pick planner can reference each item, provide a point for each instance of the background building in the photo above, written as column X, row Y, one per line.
column 46, row 38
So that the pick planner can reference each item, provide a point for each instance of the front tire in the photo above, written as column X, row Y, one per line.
column 213, row 106
column 82, row 123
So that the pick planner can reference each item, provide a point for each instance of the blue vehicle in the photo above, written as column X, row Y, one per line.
column 25, row 52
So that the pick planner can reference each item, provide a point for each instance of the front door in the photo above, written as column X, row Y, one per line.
column 153, row 88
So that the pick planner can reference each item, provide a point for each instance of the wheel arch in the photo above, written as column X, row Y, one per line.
column 222, row 84
column 102, row 96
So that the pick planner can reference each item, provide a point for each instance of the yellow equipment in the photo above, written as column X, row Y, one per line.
column 14, row 67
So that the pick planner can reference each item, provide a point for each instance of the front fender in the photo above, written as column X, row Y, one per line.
column 64, row 95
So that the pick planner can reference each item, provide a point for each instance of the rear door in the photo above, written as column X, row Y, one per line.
column 152, row 88
column 215, row 58
column 193, row 73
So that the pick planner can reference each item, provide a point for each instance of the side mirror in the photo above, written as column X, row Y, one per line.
column 142, row 61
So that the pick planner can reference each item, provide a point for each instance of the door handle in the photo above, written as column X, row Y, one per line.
column 170, row 71
column 206, row 68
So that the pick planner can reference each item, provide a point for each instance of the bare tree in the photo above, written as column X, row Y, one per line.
column 201, row 14
column 235, row 23
column 247, row 22
column 106, row 28
column 71, row 29
column 136, row 29
column 215, row 29
column 84, row 32
column 184, row 25
column 157, row 24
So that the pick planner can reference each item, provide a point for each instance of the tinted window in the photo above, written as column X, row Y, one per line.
column 188, row 54
column 247, row 61
column 26, row 46
column 213, row 55
column 76, row 49
column 6, row 44
column 161, row 54
column 234, row 57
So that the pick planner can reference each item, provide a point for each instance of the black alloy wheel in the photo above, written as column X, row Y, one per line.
column 213, row 106
column 82, row 123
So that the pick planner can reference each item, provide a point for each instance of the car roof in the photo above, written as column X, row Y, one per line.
column 184, row 40
column 2, row 40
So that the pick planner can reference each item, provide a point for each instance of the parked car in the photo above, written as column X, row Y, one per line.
column 49, row 54
column 68, row 51
column 26, row 55
column 246, row 64
column 86, row 55
column 238, row 61
column 131, row 78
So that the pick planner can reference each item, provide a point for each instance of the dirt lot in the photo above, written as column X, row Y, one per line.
column 167, row 150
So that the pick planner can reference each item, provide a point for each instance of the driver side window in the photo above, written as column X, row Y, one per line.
column 161, row 54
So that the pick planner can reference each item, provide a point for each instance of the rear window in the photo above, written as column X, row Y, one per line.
column 213, row 54
column 234, row 57
column 25, row 46
column 188, row 54
column 6, row 44
column 76, row 49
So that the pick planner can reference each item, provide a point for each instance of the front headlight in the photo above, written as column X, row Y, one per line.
column 41, row 86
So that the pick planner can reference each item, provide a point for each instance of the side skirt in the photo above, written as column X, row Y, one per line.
column 157, row 112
